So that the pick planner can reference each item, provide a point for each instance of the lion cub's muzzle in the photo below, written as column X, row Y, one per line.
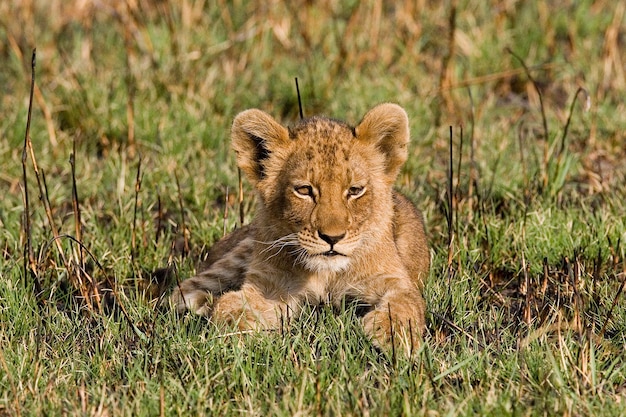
column 318, row 243
column 326, row 252
column 332, row 241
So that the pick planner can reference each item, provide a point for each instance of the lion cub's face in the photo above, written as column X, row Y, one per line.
column 325, row 187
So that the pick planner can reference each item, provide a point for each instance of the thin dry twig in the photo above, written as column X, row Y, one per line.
column 450, row 214
column 561, row 150
column 526, row 179
column 111, row 285
column 544, row 119
column 392, row 333
column 483, row 79
column 43, row 193
column 524, row 289
column 458, row 329
column 182, row 217
column 299, row 100
column 157, row 233
column 76, row 207
column 29, row 258
column 458, row 183
column 133, row 238
column 609, row 315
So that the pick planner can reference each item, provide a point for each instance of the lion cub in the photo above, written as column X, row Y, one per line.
column 329, row 226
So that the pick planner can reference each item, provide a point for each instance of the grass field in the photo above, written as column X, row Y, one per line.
column 130, row 170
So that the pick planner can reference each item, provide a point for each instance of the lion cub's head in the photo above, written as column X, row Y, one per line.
column 325, row 187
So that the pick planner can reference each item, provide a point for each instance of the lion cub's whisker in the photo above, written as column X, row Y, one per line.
column 290, row 240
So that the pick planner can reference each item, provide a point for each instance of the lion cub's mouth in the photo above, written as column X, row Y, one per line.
column 331, row 253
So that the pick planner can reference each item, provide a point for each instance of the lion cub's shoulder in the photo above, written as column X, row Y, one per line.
column 410, row 237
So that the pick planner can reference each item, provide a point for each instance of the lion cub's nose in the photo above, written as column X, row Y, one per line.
column 331, row 240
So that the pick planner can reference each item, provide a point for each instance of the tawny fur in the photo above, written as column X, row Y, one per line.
column 328, row 226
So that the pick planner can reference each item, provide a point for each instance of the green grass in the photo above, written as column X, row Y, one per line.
column 526, row 318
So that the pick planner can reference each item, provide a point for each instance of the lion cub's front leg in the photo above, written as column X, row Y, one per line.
column 248, row 309
column 397, row 319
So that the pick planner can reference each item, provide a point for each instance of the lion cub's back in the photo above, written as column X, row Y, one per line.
column 410, row 237
column 225, row 246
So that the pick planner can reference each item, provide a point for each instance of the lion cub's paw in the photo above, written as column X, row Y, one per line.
column 387, row 331
column 232, row 310
column 248, row 310
column 196, row 300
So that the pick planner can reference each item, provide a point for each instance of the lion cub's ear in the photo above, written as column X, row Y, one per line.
column 255, row 136
column 387, row 126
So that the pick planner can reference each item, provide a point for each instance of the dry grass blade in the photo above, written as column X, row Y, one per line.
column 76, row 209
column 133, row 238
column 497, row 76
column 457, row 328
column 561, row 150
column 29, row 258
column 182, row 218
column 571, row 111
column 525, row 176
column 157, row 233
column 525, row 290
column 609, row 315
column 110, row 283
column 75, row 272
column 299, row 100
column 43, row 192
column 450, row 202
column 393, row 339
column 457, row 188
column 544, row 119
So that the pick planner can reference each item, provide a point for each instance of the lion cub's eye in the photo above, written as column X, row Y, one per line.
column 303, row 190
column 355, row 191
